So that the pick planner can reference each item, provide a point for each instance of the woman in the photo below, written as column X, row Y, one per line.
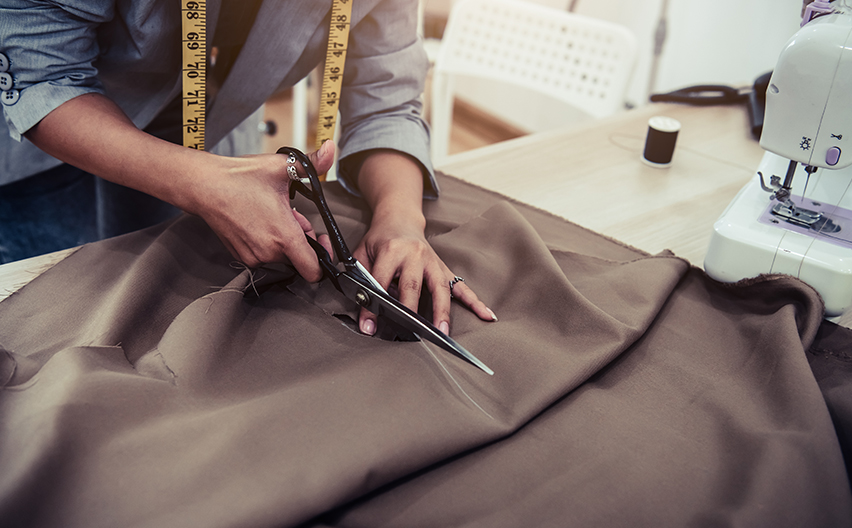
column 94, row 83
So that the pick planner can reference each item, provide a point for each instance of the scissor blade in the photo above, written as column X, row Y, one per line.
column 382, row 304
column 369, row 276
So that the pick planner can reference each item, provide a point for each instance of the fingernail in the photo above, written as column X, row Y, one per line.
column 493, row 317
column 325, row 146
column 368, row 326
column 444, row 326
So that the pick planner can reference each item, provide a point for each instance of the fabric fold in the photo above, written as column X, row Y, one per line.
column 169, row 387
column 684, row 428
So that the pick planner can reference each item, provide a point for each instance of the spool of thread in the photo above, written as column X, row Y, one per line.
column 660, row 142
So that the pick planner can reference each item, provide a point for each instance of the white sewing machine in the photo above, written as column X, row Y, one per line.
column 795, row 215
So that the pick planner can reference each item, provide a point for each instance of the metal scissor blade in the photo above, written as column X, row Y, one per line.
column 382, row 304
column 356, row 283
column 367, row 275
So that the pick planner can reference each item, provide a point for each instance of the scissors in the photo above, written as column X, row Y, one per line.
column 355, row 282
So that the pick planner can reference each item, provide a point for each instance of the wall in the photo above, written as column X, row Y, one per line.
column 707, row 42
column 725, row 41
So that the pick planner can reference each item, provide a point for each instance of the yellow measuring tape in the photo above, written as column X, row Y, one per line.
column 194, row 71
column 332, row 74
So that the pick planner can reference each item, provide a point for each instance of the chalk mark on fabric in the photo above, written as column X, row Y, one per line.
column 455, row 382
column 344, row 318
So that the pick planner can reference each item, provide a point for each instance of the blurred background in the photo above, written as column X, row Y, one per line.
column 679, row 43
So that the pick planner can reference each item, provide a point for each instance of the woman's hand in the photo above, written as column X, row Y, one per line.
column 397, row 254
column 395, row 249
column 247, row 205
column 244, row 200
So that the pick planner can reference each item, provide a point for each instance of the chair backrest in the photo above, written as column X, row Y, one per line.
column 582, row 61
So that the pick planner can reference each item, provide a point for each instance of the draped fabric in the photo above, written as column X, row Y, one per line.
column 148, row 380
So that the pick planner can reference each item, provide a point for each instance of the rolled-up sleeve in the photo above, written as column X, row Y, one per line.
column 52, row 48
column 381, row 103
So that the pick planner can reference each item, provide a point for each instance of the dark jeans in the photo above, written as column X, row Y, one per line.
column 65, row 207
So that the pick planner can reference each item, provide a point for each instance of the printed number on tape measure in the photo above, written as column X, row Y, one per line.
column 335, row 60
column 194, row 71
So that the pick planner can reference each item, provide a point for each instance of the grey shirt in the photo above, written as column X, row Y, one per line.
column 129, row 50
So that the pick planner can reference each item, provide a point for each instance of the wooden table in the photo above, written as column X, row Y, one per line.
column 592, row 175
column 16, row 275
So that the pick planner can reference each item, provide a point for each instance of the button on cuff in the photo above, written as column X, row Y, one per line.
column 9, row 97
column 5, row 81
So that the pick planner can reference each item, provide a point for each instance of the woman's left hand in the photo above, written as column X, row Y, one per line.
column 395, row 250
column 402, row 261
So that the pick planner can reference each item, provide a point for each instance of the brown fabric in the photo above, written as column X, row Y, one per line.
column 148, row 381
column 830, row 358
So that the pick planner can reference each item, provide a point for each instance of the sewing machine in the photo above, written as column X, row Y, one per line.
column 795, row 215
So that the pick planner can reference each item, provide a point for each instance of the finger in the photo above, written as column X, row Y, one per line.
column 295, row 246
column 441, row 301
column 383, row 272
column 462, row 293
column 325, row 242
column 323, row 158
column 367, row 322
column 410, row 284
column 304, row 259
column 360, row 254
column 308, row 228
column 304, row 223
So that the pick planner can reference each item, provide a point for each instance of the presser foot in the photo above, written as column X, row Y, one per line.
column 800, row 216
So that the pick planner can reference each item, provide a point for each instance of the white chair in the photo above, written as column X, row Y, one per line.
column 300, row 115
column 581, row 61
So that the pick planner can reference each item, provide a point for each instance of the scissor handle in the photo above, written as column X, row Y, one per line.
column 315, row 195
column 329, row 270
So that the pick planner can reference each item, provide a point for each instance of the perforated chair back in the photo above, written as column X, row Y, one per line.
column 579, row 60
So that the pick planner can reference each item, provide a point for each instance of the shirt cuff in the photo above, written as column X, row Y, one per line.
column 38, row 100
column 414, row 142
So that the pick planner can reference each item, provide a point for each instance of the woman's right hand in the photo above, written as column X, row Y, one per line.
column 246, row 202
